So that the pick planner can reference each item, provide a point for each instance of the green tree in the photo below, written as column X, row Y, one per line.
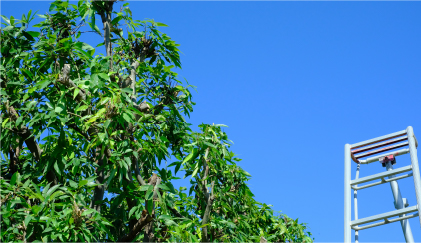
column 75, row 126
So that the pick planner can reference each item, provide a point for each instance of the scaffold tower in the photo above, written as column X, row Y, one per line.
column 388, row 146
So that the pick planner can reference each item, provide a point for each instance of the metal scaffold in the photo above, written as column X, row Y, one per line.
column 404, row 139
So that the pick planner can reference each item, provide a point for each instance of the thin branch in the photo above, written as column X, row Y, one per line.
column 74, row 127
column 138, row 176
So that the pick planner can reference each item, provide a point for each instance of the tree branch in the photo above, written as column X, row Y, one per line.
column 141, row 223
column 74, row 127
column 25, row 134
column 175, row 212
column 138, row 176
column 130, row 202
column 205, row 175
column 149, row 235
column 30, row 142
column 208, row 198
column 106, row 21
column 99, row 171
column 206, row 216
column 65, row 80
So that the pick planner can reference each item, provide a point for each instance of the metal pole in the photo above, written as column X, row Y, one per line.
column 347, row 194
column 399, row 204
column 415, row 167
column 356, row 203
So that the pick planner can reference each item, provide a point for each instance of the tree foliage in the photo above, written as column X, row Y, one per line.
column 84, row 138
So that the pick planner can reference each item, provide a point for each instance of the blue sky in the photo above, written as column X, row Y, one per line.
column 295, row 81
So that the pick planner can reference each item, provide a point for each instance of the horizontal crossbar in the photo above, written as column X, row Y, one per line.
column 381, row 182
column 386, row 221
column 378, row 139
column 377, row 157
column 381, row 175
column 384, row 215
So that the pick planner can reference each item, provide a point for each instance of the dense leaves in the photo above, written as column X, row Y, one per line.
column 84, row 138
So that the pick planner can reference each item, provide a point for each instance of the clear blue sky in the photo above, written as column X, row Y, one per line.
column 295, row 81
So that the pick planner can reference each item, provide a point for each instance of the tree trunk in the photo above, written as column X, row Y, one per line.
column 149, row 235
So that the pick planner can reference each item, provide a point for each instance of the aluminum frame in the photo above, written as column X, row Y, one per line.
column 386, row 177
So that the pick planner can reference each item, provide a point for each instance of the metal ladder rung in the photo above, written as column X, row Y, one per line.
column 378, row 139
column 382, row 182
column 381, row 175
column 389, row 142
column 386, row 221
column 384, row 216
column 400, row 145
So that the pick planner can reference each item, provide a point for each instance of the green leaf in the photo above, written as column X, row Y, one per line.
column 92, row 119
column 10, row 27
column 86, row 46
column 112, row 174
column 44, row 218
column 161, row 24
column 149, row 193
column 171, row 187
column 56, row 168
column 127, row 90
column 75, row 92
column 210, row 145
column 82, row 183
column 195, row 170
column 58, row 109
column 104, row 76
column 127, row 118
column 283, row 229
column 27, row 220
column 177, row 167
column 52, row 189
column 246, row 173
column 107, row 123
column 28, row 74
column 92, row 16
column 82, row 108
column 33, row 33
column 94, row 80
column 55, row 194
column 14, row 179
column 4, row 122
column 101, row 136
column 74, row 169
column 150, row 206
column 73, row 184
column 89, row 211
column 163, row 187
column 49, row 104
column 188, row 158
column 101, row 111
column 5, row 19
column 47, row 230
column 145, row 188
column 170, row 222
column 132, row 211
column 19, row 121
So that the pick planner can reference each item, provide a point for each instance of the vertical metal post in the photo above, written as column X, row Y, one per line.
column 356, row 202
column 399, row 204
column 415, row 167
column 347, row 194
